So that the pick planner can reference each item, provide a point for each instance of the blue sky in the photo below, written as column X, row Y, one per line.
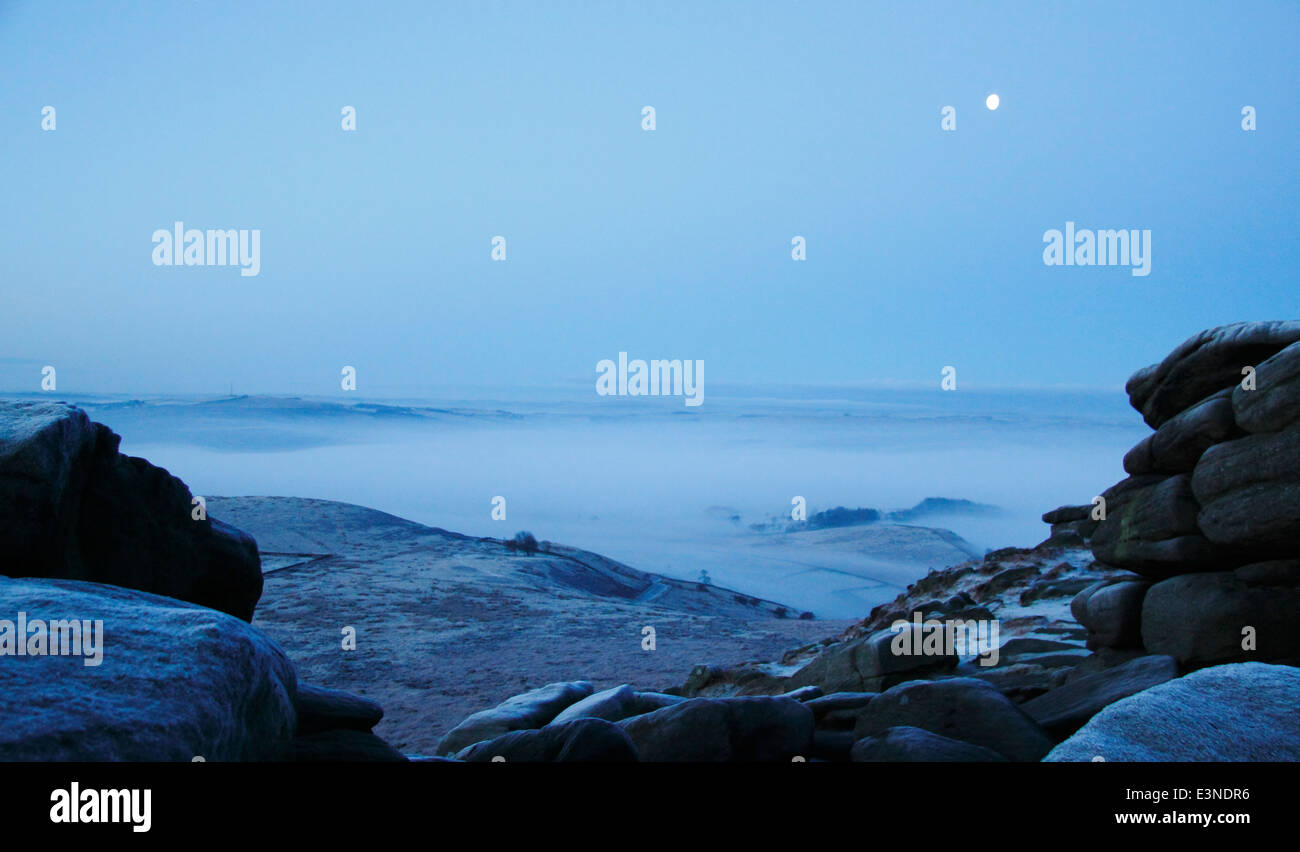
column 524, row 120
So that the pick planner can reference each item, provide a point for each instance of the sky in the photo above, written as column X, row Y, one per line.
column 924, row 246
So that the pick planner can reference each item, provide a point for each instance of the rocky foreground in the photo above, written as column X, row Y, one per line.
column 1157, row 622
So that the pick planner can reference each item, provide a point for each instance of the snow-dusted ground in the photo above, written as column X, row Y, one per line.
column 447, row 625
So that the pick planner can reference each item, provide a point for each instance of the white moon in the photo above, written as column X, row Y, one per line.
column 992, row 101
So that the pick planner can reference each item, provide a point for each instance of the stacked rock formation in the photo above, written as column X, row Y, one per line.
column 75, row 508
column 132, row 610
column 1208, row 519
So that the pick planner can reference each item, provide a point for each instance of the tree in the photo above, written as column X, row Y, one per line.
column 524, row 541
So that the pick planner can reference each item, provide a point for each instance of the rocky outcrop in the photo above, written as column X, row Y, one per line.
column 582, row 740
column 76, row 508
column 723, row 729
column 1215, row 488
column 1064, row 710
column 1238, row 712
column 963, row 709
column 1112, row 612
column 1206, row 618
column 175, row 681
column 614, row 704
column 529, row 710
column 1204, row 364
column 869, row 664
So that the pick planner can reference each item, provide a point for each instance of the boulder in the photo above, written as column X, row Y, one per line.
column 610, row 705
column 1249, row 491
column 1277, row 572
column 343, row 745
column 905, row 744
column 1274, row 404
column 531, row 709
column 1238, row 712
column 1063, row 710
column 582, row 740
column 1199, row 619
column 619, row 702
column 176, row 681
column 869, row 664
column 766, row 729
column 1067, row 514
column 754, row 728
column 698, row 730
column 839, row 711
column 1153, row 531
column 75, row 508
column 961, row 708
column 1113, row 615
column 1025, row 680
column 1204, row 363
column 1179, row 442
column 322, row 709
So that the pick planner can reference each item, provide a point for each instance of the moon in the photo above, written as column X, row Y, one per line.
column 992, row 101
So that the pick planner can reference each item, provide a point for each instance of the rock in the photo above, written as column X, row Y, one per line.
column 905, row 744
column 1274, row 404
column 839, row 711
column 868, row 664
column 1067, row 514
column 962, row 708
column 696, row 730
column 1103, row 659
column 1044, row 589
column 839, row 701
column 1113, row 615
column 804, row 693
column 1248, row 490
column 614, row 704
column 1019, row 681
column 1204, row 363
column 721, row 681
column 75, row 508
column 1026, row 645
column 1004, row 580
column 1177, row 445
column 756, row 728
column 322, row 709
column 176, row 681
column 648, row 702
column 532, row 709
column 1083, row 529
column 581, row 740
column 766, row 729
column 1154, row 532
column 958, row 601
column 1063, row 710
column 1079, row 605
column 1239, row 712
column 1278, row 572
column 1199, row 619
column 610, row 705
column 342, row 744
